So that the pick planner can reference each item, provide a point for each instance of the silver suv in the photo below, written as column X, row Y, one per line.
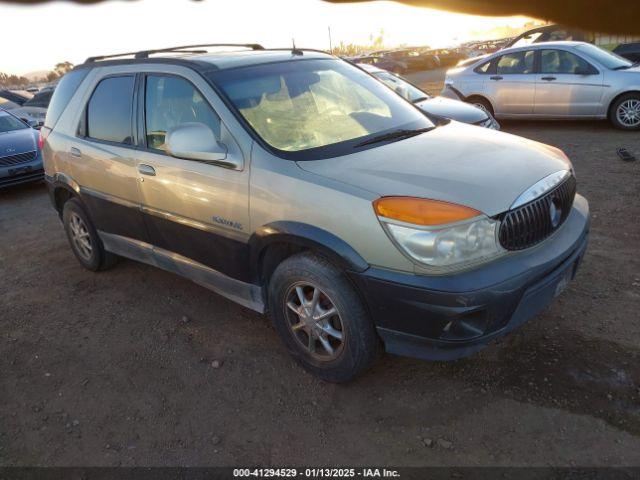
column 294, row 183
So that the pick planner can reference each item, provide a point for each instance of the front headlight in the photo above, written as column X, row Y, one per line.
column 442, row 242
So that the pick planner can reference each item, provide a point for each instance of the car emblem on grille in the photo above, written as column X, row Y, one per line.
column 11, row 150
column 555, row 212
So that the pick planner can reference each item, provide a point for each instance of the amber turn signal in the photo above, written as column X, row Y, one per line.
column 421, row 211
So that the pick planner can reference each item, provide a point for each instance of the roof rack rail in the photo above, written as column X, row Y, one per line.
column 182, row 49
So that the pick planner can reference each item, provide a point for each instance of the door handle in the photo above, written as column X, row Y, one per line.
column 146, row 170
column 548, row 79
column 75, row 152
column 495, row 77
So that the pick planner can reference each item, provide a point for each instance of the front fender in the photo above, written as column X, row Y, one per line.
column 307, row 236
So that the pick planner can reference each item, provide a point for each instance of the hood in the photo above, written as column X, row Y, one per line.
column 18, row 141
column 477, row 167
column 453, row 109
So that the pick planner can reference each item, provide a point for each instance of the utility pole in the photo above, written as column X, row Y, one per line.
column 330, row 45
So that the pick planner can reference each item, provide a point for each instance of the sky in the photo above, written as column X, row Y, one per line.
column 50, row 33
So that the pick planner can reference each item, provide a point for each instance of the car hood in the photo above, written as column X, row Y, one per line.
column 477, row 167
column 453, row 109
column 18, row 141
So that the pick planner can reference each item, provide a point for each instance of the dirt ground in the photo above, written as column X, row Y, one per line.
column 101, row 369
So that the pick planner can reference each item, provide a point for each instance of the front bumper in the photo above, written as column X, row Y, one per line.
column 452, row 316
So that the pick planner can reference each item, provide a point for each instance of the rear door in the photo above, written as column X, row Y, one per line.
column 511, row 84
column 195, row 209
column 103, row 158
column 567, row 85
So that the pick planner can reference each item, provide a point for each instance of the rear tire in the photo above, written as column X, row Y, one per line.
column 625, row 112
column 482, row 103
column 83, row 238
column 304, row 290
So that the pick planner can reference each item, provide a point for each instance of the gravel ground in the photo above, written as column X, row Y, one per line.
column 135, row 366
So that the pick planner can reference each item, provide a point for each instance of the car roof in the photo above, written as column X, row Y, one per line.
column 542, row 45
column 214, row 60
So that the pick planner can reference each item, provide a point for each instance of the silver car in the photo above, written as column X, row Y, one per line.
column 295, row 184
column 439, row 107
column 554, row 80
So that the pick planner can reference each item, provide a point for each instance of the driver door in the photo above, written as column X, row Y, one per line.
column 194, row 209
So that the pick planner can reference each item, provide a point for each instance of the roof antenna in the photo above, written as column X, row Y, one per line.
column 294, row 50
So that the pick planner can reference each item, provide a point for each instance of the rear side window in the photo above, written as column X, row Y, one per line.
column 63, row 94
column 515, row 63
column 109, row 112
column 484, row 68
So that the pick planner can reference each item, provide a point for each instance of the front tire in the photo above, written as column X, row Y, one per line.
column 83, row 238
column 321, row 318
column 625, row 112
column 482, row 104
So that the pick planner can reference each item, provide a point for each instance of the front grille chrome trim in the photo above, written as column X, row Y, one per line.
column 541, row 187
column 533, row 222
column 18, row 159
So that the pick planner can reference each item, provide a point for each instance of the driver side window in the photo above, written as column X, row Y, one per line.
column 561, row 61
column 171, row 101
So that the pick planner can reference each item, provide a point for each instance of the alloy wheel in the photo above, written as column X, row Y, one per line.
column 628, row 113
column 80, row 237
column 314, row 321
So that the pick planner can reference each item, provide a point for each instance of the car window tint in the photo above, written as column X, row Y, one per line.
column 63, row 93
column 109, row 110
column 484, row 68
column 515, row 63
column 170, row 102
column 561, row 61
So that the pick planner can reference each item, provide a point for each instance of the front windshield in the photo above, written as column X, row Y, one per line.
column 326, row 105
column 402, row 87
column 526, row 40
column 8, row 123
column 605, row 58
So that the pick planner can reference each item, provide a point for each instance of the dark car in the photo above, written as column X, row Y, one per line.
column 548, row 33
column 20, row 156
column 402, row 60
column 630, row 51
column 17, row 97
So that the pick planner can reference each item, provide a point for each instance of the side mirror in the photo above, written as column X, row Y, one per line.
column 196, row 141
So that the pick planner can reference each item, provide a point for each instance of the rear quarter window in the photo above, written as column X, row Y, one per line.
column 62, row 95
column 110, row 110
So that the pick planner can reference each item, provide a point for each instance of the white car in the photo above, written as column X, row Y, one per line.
column 553, row 80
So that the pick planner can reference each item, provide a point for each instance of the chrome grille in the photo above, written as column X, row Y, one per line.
column 525, row 226
column 17, row 159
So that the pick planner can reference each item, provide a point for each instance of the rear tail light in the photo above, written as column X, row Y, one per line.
column 44, row 133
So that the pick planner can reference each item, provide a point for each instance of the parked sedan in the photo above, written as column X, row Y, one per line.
column 434, row 106
column 19, row 103
column 555, row 80
column 20, row 157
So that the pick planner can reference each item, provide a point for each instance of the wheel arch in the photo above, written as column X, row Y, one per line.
column 470, row 98
column 617, row 97
column 63, row 188
column 274, row 242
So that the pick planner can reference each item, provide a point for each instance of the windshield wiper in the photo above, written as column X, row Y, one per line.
column 395, row 135
column 420, row 99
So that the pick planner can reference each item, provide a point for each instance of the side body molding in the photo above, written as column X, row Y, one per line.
column 245, row 294
column 304, row 235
